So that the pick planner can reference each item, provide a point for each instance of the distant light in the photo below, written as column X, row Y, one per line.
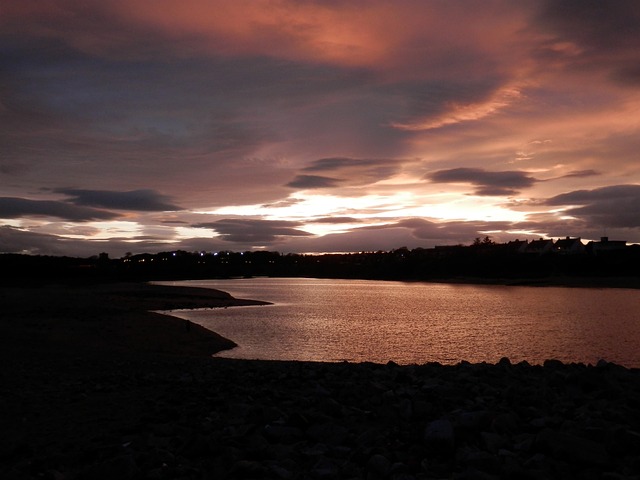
column 174, row 254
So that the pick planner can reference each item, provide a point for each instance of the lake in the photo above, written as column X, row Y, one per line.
column 380, row 321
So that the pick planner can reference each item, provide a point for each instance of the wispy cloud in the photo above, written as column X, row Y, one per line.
column 457, row 112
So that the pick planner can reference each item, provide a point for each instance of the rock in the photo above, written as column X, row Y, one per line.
column 506, row 423
column 552, row 364
column 439, row 436
column 570, row 447
column 479, row 460
column 281, row 472
column 325, row 469
column 405, row 409
column 282, row 433
column 504, row 362
column 620, row 441
column 121, row 467
column 475, row 420
column 492, row 442
column 249, row 469
column 378, row 467
column 328, row 433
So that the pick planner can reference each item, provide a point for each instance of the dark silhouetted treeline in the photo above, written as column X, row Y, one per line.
column 512, row 262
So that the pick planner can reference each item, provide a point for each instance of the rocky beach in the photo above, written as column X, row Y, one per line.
column 95, row 386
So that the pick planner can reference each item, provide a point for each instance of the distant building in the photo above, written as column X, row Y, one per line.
column 606, row 245
column 539, row 247
column 569, row 246
column 518, row 246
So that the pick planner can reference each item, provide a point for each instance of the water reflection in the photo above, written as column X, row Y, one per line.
column 356, row 320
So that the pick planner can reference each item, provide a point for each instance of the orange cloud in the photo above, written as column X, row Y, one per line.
column 458, row 113
column 403, row 37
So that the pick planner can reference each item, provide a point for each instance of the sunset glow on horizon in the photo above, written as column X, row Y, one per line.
column 160, row 125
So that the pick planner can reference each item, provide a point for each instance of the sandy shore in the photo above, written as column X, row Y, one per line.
column 95, row 386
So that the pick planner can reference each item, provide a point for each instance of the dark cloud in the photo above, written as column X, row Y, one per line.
column 606, row 34
column 189, row 119
column 581, row 197
column 433, row 103
column 15, row 240
column 313, row 181
column 254, row 231
column 581, row 174
column 12, row 168
column 628, row 75
column 409, row 232
column 358, row 170
column 449, row 232
column 613, row 206
column 12, row 207
column 341, row 163
column 487, row 183
column 594, row 23
column 138, row 200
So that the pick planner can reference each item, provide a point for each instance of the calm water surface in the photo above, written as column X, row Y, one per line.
column 377, row 321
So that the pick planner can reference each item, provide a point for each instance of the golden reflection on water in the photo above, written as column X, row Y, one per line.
column 356, row 320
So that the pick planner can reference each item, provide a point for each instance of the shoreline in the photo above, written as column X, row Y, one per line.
column 95, row 386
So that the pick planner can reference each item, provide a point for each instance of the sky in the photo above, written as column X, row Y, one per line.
column 315, row 126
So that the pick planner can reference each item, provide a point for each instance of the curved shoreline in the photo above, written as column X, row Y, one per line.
column 107, row 320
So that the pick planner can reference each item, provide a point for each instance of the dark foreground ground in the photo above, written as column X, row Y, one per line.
column 92, row 387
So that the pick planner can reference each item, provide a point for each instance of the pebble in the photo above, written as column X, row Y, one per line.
column 297, row 420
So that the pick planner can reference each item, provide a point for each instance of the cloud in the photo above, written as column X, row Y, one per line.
column 460, row 110
column 334, row 220
column 449, row 232
column 12, row 169
column 487, row 183
column 409, row 232
column 15, row 240
column 138, row 200
column 590, row 34
column 359, row 171
column 254, row 231
column 581, row 174
column 613, row 206
column 313, row 182
column 176, row 222
column 12, row 207
column 594, row 24
column 229, row 104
